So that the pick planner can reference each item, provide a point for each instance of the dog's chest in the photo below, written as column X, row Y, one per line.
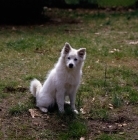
column 68, row 79
column 71, row 82
column 71, row 79
column 69, row 89
column 67, row 85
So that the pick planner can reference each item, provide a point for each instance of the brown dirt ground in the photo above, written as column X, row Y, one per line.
column 122, row 121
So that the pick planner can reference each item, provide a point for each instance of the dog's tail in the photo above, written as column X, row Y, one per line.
column 35, row 87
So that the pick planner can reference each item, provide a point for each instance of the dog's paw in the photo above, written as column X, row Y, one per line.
column 67, row 102
column 43, row 109
column 62, row 111
column 76, row 111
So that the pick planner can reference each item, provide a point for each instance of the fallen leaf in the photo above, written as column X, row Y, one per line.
column 120, row 125
column 110, row 126
column 93, row 99
column 97, row 61
column 121, row 133
column 63, row 125
column 47, row 117
column 82, row 111
column 133, row 42
column 33, row 113
column 13, row 28
column 124, row 124
column 114, row 50
column 111, row 51
column 97, row 33
column 111, row 106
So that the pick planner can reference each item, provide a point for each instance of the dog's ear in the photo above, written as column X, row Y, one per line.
column 67, row 48
column 82, row 52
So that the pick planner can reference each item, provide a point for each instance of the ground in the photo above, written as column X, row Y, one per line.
column 108, row 95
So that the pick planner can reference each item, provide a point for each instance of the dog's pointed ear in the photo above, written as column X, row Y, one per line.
column 67, row 48
column 82, row 52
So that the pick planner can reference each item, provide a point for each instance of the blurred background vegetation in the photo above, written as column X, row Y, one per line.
column 34, row 9
column 92, row 3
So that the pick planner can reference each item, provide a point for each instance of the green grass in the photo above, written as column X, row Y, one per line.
column 99, row 113
column 109, row 137
column 20, row 107
column 110, row 74
column 116, row 101
column 75, row 130
column 113, row 3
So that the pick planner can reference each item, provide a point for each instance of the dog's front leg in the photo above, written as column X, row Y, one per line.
column 60, row 100
column 72, row 97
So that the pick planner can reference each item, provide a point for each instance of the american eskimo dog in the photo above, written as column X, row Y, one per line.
column 63, row 80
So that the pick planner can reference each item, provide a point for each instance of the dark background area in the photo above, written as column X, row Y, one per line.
column 18, row 11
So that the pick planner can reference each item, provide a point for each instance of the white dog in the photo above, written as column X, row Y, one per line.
column 63, row 80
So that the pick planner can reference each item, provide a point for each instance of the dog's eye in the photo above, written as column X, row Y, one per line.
column 69, row 58
column 75, row 59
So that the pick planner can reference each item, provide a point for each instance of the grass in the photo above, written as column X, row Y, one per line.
column 108, row 137
column 20, row 107
column 75, row 130
column 108, row 93
column 124, row 3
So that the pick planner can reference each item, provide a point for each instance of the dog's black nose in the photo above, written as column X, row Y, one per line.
column 70, row 65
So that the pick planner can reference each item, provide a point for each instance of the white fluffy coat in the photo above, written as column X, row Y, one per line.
column 63, row 80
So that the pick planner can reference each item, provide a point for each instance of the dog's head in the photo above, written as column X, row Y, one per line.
column 72, row 56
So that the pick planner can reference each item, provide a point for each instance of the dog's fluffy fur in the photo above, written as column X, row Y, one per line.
column 63, row 80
